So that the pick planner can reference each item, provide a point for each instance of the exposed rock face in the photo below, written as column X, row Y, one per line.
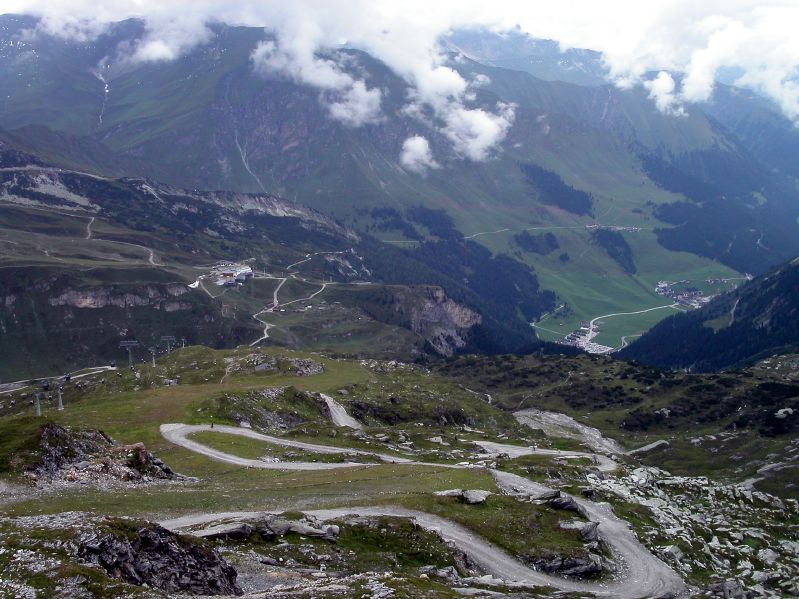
column 159, row 558
column 91, row 456
column 426, row 310
column 444, row 323
column 272, row 409
column 159, row 297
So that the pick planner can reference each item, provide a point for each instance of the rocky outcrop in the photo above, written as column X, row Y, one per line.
column 272, row 409
column 153, row 556
column 444, row 323
column 570, row 566
column 269, row 527
column 711, row 526
column 68, row 457
column 426, row 310
column 159, row 297
column 258, row 362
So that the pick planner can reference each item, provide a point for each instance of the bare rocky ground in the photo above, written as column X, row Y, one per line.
column 78, row 554
column 723, row 540
column 742, row 543
column 69, row 458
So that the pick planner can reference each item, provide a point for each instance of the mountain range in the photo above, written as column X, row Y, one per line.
column 706, row 195
column 306, row 324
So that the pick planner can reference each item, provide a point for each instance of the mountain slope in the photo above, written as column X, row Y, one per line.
column 757, row 320
column 208, row 121
column 88, row 260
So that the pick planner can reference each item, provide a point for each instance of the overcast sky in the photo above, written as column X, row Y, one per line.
column 693, row 38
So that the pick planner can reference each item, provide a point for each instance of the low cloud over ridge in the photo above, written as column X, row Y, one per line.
column 685, row 42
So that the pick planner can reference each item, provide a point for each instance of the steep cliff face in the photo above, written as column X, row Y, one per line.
column 157, row 297
column 57, row 321
column 444, row 323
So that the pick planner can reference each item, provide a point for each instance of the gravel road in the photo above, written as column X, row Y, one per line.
column 640, row 574
column 649, row 581
column 339, row 415
column 177, row 434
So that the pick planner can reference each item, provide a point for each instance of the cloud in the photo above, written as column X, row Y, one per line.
column 305, row 50
column 357, row 105
column 661, row 90
column 416, row 155
column 348, row 100
column 687, row 39
column 169, row 38
column 474, row 133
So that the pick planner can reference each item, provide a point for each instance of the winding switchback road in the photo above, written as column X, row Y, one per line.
column 644, row 576
column 640, row 574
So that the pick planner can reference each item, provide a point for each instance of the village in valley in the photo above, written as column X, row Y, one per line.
column 684, row 294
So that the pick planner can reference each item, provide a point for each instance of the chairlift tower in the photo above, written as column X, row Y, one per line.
column 60, row 400
column 183, row 342
column 169, row 340
column 152, row 350
column 129, row 345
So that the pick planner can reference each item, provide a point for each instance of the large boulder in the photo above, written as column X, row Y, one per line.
column 470, row 496
column 564, row 502
column 226, row 531
column 570, row 566
column 474, row 496
column 590, row 532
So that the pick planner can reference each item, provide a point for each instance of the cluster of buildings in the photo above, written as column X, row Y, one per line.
column 583, row 338
column 689, row 297
column 230, row 273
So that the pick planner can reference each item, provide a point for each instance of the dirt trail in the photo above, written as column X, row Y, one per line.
column 641, row 573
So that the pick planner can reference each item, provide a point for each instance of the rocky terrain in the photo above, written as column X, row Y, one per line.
column 78, row 552
column 66, row 458
column 725, row 534
column 319, row 477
